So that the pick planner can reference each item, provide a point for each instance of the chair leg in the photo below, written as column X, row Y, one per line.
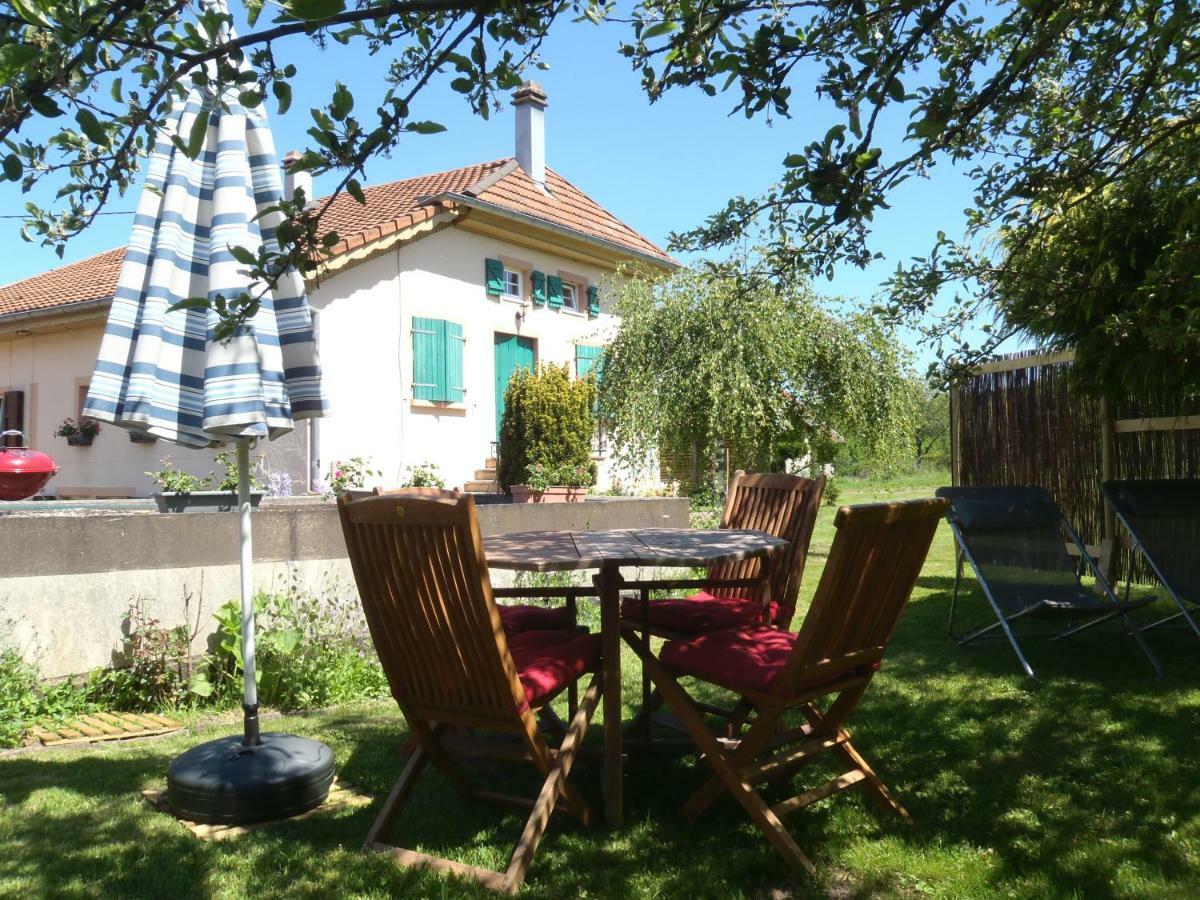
column 749, row 747
column 958, row 573
column 1141, row 641
column 555, row 785
column 398, row 797
column 766, row 820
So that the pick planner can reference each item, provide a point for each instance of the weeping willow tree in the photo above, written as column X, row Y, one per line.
column 722, row 358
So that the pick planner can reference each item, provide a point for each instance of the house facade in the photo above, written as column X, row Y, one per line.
column 441, row 286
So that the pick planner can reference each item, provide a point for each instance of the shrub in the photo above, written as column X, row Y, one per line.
column 156, row 670
column 548, row 421
column 23, row 701
column 313, row 649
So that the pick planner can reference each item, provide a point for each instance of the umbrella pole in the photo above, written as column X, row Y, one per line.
column 250, row 691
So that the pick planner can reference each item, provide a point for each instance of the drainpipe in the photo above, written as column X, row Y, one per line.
column 314, row 424
column 404, row 405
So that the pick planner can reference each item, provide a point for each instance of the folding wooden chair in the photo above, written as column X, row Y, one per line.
column 873, row 564
column 423, row 579
column 732, row 595
column 516, row 617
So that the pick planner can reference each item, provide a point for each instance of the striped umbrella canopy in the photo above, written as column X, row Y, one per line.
column 161, row 370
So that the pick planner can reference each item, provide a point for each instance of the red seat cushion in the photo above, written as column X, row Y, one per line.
column 700, row 612
column 547, row 661
column 741, row 659
column 526, row 617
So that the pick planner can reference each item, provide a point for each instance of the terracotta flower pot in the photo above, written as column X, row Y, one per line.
column 556, row 493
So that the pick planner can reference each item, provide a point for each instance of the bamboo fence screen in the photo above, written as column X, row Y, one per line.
column 1025, row 419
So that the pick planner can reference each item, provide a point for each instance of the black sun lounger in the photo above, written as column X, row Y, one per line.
column 1162, row 517
column 1014, row 538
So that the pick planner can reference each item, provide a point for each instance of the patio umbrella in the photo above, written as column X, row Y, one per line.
column 161, row 372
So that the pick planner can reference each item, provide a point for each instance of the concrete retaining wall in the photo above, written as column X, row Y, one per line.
column 67, row 578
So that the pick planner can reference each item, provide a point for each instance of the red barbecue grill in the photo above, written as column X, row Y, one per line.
column 23, row 472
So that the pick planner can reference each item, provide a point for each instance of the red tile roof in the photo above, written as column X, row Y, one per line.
column 94, row 278
column 389, row 208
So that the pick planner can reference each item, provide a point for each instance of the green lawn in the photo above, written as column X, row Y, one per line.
column 1080, row 784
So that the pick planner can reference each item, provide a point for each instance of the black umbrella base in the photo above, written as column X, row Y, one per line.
column 224, row 782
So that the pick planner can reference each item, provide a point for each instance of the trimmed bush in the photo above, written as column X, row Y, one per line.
column 548, row 420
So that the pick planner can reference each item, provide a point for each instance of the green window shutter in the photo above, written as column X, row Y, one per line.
column 455, row 386
column 539, row 288
column 585, row 359
column 554, row 291
column 593, row 300
column 429, row 358
column 493, row 273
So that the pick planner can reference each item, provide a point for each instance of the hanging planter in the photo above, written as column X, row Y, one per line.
column 78, row 433
column 140, row 437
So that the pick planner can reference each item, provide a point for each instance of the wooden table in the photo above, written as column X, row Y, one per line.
column 608, row 551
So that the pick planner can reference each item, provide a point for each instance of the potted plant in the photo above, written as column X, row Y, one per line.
column 78, row 433
column 347, row 475
column 553, row 484
column 183, row 492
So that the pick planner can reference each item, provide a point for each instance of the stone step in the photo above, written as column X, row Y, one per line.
column 485, row 474
column 490, row 462
column 481, row 487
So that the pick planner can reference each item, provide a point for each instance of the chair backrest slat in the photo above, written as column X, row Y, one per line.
column 418, row 560
column 784, row 506
column 872, row 568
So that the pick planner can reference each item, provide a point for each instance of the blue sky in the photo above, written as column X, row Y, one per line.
column 659, row 168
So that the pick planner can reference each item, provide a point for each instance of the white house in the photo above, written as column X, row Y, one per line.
column 440, row 286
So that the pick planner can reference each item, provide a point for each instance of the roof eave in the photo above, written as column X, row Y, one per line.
column 611, row 247
column 10, row 322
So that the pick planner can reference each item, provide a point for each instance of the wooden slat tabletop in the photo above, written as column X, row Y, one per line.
column 546, row 551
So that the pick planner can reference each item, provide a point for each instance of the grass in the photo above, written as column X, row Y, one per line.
column 1079, row 784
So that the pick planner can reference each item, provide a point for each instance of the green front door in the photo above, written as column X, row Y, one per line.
column 512, row 352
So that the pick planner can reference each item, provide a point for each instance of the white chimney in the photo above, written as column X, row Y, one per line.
column 293, row 180
column 530, row 101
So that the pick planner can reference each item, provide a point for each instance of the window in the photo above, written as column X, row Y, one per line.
column 512, row 285
column 437, row 360
column 570, row 298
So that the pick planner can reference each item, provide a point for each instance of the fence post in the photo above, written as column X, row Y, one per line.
column 1108, row 539
column 955, row 462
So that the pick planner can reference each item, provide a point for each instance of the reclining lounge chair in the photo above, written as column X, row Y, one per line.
column 1015, row 540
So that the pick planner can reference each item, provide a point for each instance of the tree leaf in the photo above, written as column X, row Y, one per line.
column 425, row 127
column 242, row 255
column 342, row 103
column 91, row 126
column 197, row 135
column 315, row 10
column 354, row 189
column 13, row 168
column 283, row 93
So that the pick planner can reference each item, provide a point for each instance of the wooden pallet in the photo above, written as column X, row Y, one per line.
column 340, row 796
column 105, row 726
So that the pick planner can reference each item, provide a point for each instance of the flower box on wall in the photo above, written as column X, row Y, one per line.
column 202, row 501
column 140, row 437
column 80, row 440
column 556, row 493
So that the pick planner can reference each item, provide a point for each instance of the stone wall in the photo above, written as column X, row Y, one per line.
column 68, row 577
